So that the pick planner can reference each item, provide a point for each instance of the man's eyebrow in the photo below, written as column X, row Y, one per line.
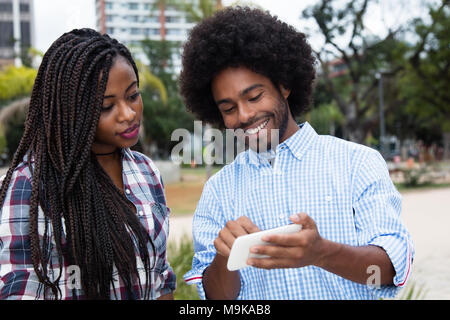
column 247, row 90
column 242, row 93
column 128, row 88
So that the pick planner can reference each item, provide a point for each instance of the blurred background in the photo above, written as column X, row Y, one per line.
column 383, row 81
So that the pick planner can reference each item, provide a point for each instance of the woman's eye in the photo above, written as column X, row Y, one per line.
column 134, row 96
column 256, row 98
column 107, row 108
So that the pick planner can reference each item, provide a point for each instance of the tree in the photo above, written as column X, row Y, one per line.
column 346, row 40
column 427, row 78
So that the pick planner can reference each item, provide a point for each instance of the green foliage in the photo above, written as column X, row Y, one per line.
column 16, row 82
column 163, row 113
column 325, row 118
column 412, row 292
column 160, row 52
column 416, row 75
column 162, row 119
column 414, row 177
column 180, row 259
column 3, row 141
column 425, row 82
column 14, row 128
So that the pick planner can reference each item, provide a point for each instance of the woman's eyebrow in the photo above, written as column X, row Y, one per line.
column 128, row 88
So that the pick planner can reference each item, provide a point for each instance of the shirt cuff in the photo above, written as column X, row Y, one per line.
column 195, row 276
column 401, row 253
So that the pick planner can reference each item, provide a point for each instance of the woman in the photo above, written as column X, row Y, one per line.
column 83, row 216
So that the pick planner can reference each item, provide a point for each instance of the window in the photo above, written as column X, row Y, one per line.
column 133, row 6
column 109, row 5
column 135, row 31
column 173, row 32
column 133, row 18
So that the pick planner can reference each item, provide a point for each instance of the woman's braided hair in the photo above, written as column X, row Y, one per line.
column 68, row 183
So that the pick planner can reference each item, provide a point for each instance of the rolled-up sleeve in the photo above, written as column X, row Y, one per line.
column 377, row 209
column 208, row 221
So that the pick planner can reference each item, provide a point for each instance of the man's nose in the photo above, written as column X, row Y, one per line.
column 246, row 113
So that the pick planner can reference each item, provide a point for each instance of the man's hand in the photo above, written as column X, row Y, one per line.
column 230, row 232
column 291, row 250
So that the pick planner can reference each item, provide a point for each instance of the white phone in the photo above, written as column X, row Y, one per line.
column 240, row 251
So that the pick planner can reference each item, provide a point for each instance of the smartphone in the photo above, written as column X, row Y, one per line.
column 240, row 251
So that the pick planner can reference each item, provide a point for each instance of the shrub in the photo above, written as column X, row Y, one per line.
column 180, row 259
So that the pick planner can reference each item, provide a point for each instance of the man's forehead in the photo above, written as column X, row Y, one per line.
column 239, row 80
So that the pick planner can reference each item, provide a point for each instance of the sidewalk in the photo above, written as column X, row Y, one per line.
column 426, row 214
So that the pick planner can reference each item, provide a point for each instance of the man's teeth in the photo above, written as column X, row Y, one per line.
column 256, row 130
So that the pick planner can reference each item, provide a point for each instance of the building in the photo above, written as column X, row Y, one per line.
column 132, row 21
column 16, row 25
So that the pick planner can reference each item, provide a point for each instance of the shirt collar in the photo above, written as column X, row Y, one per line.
column 127, row 154
column 300, row 141
column 298, row 144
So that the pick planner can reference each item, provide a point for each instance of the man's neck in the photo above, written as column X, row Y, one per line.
column 291, row 129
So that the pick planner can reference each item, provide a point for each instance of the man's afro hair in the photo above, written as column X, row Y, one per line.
column 251, row 38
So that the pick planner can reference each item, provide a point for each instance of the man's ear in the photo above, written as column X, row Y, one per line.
column 284, row 92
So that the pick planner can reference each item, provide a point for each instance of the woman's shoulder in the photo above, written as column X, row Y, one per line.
column 144, row 162
column 18, row 193
column 21, row 175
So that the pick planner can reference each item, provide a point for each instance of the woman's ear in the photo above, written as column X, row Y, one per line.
column 284, row 92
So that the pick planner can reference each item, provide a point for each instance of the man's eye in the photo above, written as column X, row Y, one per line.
column 228, row 110
column 256, row 98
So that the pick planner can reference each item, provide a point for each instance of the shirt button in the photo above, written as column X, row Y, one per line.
column 127, row 191
column 141, row 212
column 281, row 216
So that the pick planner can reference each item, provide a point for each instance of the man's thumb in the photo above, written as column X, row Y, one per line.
column 303, row 219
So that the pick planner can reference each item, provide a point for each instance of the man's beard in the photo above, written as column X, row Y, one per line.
column 269, row 139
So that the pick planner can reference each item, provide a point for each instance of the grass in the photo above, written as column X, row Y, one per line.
column 424, row 186
column 180, row 259
column 182, row 197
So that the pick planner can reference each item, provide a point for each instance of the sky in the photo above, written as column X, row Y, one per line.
column 54, row 17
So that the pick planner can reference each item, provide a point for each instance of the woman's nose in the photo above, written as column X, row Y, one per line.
column 126, row 113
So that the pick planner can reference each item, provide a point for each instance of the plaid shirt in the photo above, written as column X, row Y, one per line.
column 143, row 187
column 343, row 186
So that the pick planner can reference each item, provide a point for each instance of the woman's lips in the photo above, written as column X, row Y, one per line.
column 131, row 132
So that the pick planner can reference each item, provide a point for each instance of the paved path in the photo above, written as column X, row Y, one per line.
column 427, row 217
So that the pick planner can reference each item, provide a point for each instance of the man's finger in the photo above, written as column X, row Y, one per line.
column 278, row 251
column 247, row 224
column 221, row 247
column 271, row 263
column 228, row 236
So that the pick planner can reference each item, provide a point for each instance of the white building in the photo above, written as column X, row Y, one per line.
column 16, row 25
column 132, row 21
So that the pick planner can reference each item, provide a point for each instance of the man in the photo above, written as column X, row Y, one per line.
column 244, row 69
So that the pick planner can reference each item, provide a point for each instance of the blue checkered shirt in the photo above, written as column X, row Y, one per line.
column 345, row 187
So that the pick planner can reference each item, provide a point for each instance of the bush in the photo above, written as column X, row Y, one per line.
column 180, row 259
column 16, row 82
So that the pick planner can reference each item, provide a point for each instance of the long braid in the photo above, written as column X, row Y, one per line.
column 73, row 190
